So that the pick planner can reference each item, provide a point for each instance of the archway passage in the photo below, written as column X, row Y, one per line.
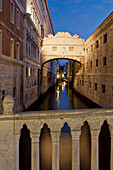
column 45, row 149
column 104, row 147
column 85, row 148
column 65, row 148
column 25, row 149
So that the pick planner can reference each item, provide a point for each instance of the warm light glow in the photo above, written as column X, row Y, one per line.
column 58, row 96
column 63, row 85
column 62, row 74
column 58, row 76
column 29, row 71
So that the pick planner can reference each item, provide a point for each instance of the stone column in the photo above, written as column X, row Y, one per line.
column 76, row 150
column 111, row 161
column 16, row 151
column 95, row 149
column 55, row 150
column 35, row 152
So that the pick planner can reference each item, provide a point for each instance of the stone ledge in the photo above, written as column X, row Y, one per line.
column 58, row 114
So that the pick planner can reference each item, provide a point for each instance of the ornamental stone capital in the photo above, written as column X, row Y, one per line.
column 95, row 133
column 76, row 135
column 35, row 138
column 55, row 135
column 8, row 104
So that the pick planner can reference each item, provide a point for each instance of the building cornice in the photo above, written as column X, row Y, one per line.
column 102, row 27
column 9, row 60
column 38, row 5
column 49, row 16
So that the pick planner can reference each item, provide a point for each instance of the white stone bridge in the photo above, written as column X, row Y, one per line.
column 11, row 125
column 63, row 46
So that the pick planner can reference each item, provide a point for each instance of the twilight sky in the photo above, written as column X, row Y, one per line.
column 80, row 17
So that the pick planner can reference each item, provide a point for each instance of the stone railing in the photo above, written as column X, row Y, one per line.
column 11, row 125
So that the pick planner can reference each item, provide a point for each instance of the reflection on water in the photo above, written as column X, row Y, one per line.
column 57, row 96
column 61, row 97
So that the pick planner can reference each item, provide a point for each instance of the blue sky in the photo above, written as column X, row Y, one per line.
column 80, row 17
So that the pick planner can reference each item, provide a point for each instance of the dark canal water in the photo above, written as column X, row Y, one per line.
column 61, row 97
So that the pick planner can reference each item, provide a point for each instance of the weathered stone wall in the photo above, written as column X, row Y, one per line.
column 98, row 67
column 12, row 82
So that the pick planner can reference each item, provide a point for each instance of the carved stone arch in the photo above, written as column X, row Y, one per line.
column 65, row 120
column 55, row 124
column 107, row 123
column 45, row 145
column 102, row 122
column 65, row 147
column 65, row 124
column 89, row 123
column 34, row 125
column 85, row 147
column 95, row 122
column 25, row 149
column 68, row 122
column 86, row 121
column 75, row 123
column 104, row 146
column 25, row 125
column 110, row 125
column 42, row 125
column 19, row 126
column 62, row 58
column 45, row 124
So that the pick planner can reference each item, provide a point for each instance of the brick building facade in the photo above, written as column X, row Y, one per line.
column 11, row 51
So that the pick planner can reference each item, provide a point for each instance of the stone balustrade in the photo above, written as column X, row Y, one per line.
column 11, row 125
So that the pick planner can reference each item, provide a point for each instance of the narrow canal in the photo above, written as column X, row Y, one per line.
column 61, row 97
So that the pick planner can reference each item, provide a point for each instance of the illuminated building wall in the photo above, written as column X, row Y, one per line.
column 37, row 25
column 95, row 78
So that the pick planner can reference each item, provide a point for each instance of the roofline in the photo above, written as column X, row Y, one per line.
column 102, row 24
column 49, row 15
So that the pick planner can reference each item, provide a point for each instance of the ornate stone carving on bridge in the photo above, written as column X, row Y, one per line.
column 63, row 45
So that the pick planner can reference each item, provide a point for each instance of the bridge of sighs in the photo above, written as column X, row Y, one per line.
column 63, row 46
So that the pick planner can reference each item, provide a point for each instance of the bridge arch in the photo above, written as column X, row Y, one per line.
column 59, row 59
column 63, row 46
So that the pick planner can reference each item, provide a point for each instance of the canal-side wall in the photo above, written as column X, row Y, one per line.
column 34, row 30
column 95, row 79
column 11, row 125
column 11, row 53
